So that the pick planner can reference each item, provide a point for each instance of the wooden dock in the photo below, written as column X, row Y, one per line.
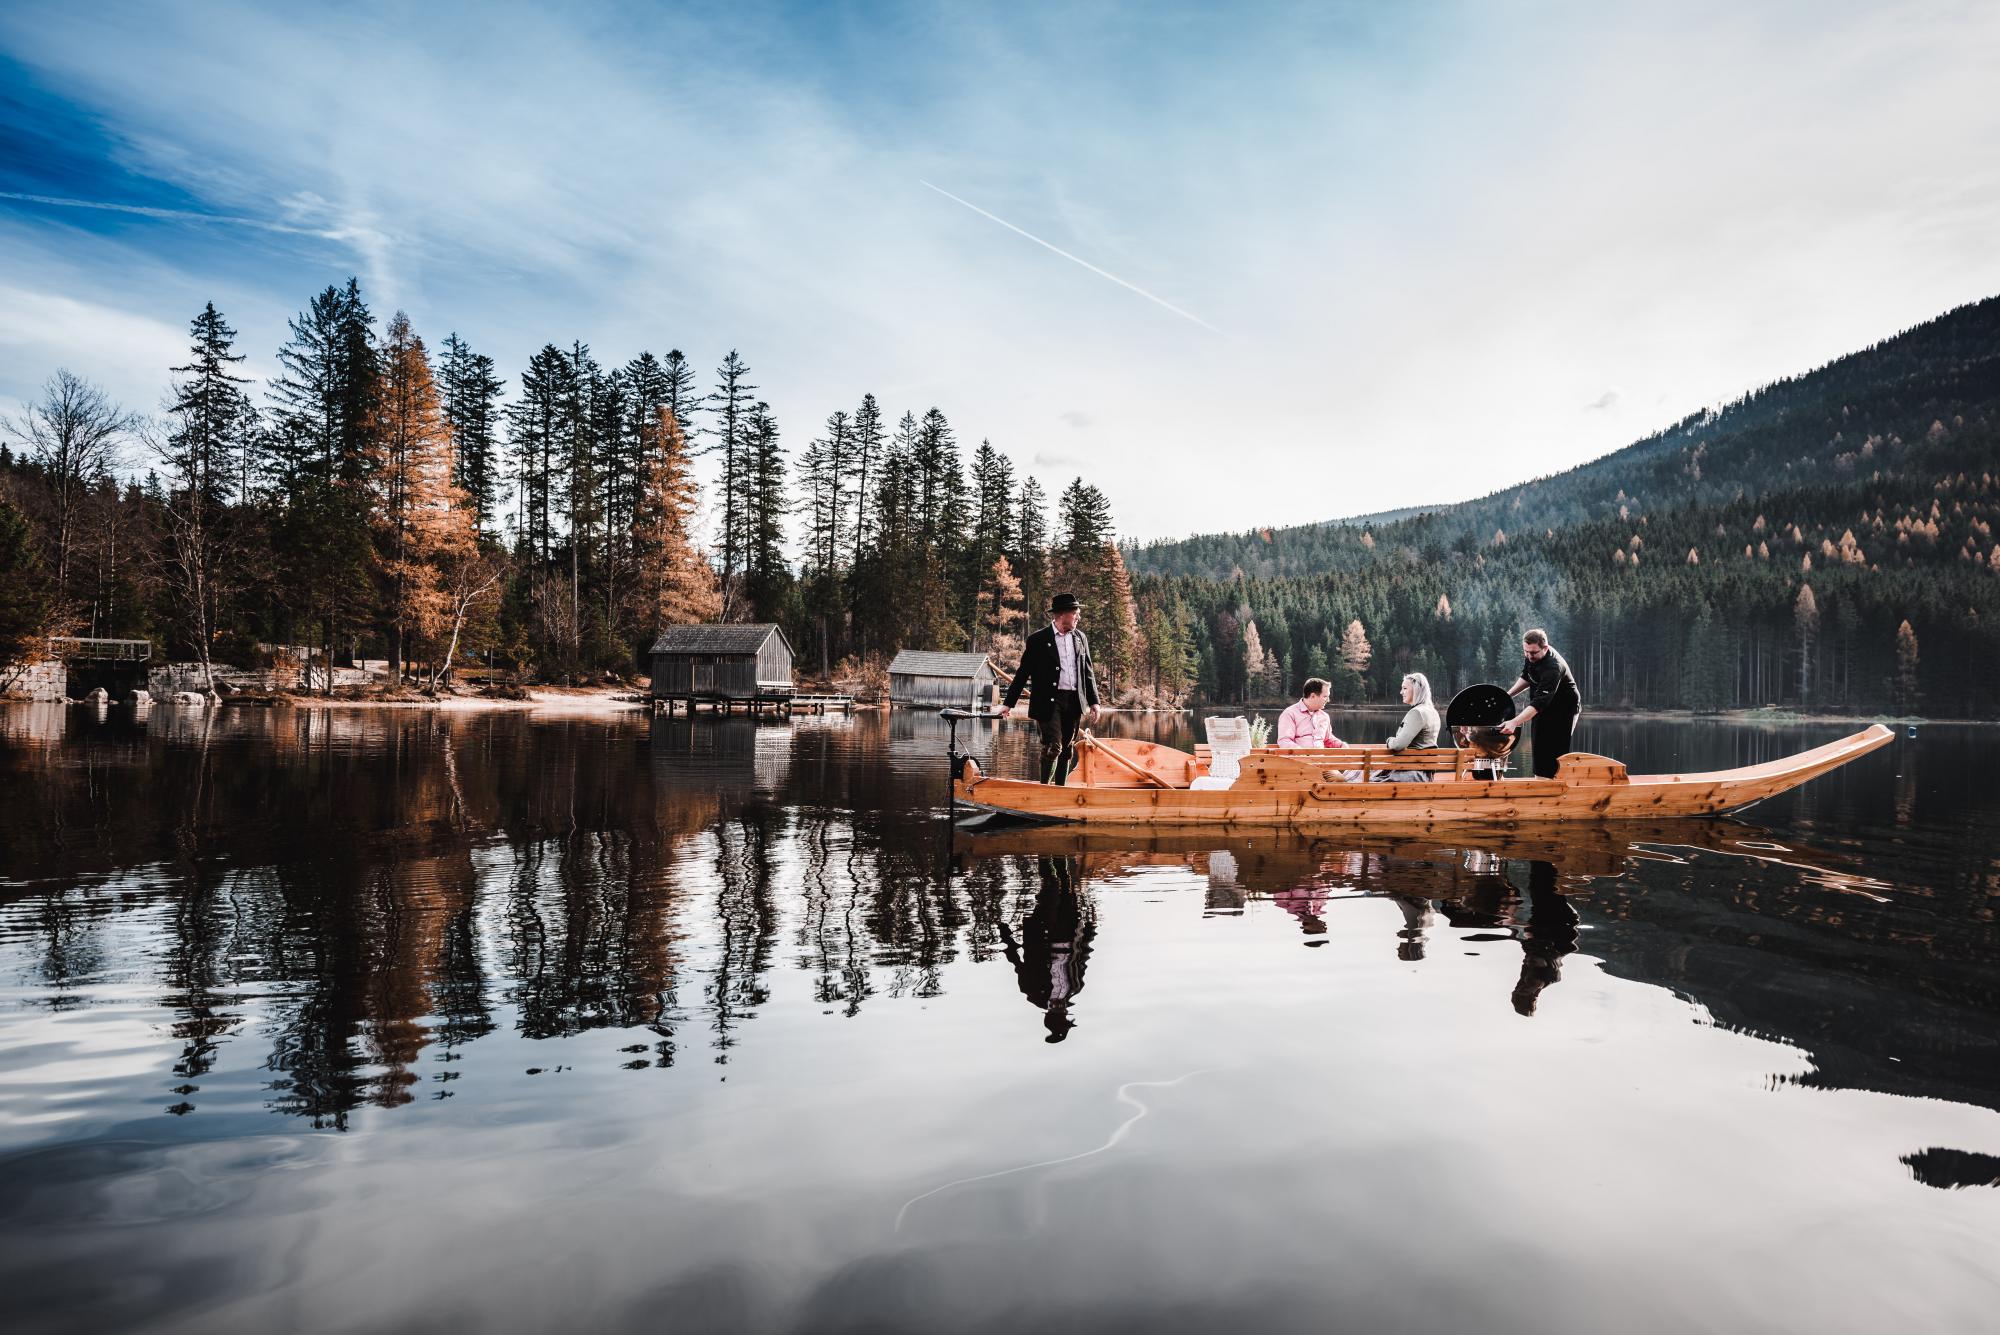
column 776, row 702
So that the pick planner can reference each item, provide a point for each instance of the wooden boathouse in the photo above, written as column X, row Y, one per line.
column 940, row 680
column 731, row 667
column 723, row 666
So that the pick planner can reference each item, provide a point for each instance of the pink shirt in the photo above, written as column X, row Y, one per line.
column 1299, row 726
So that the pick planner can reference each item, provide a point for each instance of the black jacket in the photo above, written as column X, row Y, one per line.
column 1040, row 667
column 1551, row 685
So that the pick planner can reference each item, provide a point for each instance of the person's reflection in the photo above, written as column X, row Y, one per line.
column 1416, row 920
column 1054, row 946
column 1550, row 934
column 1306, row 903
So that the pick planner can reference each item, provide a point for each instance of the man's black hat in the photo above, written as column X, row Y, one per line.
column 1063, row 602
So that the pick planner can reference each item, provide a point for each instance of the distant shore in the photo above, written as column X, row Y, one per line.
column 603, row 700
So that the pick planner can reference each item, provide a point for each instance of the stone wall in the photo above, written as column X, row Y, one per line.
column 171, row 677
column 36, row 681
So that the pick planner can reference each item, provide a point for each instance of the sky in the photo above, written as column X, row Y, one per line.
column 1243, row 265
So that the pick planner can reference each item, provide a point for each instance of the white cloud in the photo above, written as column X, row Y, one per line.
column 125, row 353
column 1430, row 235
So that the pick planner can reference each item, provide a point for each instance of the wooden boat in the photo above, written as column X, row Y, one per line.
column 1120, row 781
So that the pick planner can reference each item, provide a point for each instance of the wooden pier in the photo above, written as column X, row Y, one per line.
column 777, row 702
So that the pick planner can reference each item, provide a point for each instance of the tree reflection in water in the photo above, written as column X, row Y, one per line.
column 351, row 892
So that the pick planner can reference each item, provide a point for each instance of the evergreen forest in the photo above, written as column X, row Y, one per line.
column 1823, row 543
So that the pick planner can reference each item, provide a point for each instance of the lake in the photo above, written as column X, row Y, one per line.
column 394, row 1020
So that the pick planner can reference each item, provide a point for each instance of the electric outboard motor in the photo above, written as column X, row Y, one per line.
column 1474, row 717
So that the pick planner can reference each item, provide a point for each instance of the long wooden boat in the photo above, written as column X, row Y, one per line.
column 1119, row 781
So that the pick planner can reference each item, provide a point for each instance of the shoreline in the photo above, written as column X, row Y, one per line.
column 609, row 700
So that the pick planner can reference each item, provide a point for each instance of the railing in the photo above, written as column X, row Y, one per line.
column 72, row 647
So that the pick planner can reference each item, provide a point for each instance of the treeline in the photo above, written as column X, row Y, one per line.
column 1895, row 611
column 384, row 502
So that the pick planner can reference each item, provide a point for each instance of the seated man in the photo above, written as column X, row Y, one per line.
column 1306, row 723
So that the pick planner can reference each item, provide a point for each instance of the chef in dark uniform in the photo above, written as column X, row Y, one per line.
column 1553, row 701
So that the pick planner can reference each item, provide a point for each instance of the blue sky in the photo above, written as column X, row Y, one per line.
column 1383, row 254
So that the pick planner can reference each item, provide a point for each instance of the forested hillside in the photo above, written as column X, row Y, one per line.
column 1826, row 542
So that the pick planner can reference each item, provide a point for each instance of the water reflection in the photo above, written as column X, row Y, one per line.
column 1053, row 949
column 385, row 882
column 267, row 921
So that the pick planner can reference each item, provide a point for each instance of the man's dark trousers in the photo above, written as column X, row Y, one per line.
column 1059, row 736
column 1553, row 730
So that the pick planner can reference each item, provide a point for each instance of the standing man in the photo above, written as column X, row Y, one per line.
column 1553, row 701
column 1062, row 689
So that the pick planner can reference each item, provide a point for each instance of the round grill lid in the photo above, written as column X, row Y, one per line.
column 1481, row 706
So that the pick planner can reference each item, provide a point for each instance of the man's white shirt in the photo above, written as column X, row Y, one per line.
column 1066, row 655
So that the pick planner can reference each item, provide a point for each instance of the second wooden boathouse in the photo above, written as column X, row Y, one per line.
column 938, row 680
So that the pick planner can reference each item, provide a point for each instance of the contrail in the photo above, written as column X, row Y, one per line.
column 1130, row 287
column 173, row 215
column 1117, row 1135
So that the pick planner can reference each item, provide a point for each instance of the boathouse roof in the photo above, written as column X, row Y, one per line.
column 924, row 663
column 733, row 639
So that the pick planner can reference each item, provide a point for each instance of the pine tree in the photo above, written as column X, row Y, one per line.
column 1805, row 618
column 326, row 403
column 731, row 402
column 421, row 517
column 940, row 483
column 766, row 578
column 206, row 454
column 1355, row 655
column 823, row 471
column 1253, row 660
column 868, row 445
column 675, row 584
column 24, row 599
column 1080, row 565
column 681, row 396
column 535, row 424
column 215, row 425
column 582, row 492
column 1907, row 694
column 1001, row 610
column 471, row 409
column 1119, row 644
column 1031, row 546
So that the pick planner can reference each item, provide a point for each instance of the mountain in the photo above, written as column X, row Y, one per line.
column 1825, row 542
column 1855, row 419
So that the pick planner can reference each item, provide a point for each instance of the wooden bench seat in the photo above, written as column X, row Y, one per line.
column 1368, row 761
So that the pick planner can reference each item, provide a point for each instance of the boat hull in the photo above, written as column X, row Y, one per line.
column 1289, row 790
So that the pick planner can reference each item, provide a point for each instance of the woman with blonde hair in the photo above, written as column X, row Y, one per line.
column 1419, row 729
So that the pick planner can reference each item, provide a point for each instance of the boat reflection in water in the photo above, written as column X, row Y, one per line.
column 1516, row 885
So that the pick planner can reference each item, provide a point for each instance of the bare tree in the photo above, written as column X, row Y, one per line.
column 73, row 435
column 188, row 556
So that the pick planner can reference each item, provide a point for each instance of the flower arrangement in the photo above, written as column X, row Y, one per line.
column 1260, row 731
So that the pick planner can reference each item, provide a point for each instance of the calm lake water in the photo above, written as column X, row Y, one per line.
column 390, row 1021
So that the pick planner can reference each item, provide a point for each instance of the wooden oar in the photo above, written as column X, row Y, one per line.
column 1145, row 774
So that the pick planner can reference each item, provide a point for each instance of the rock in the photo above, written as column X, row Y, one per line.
column 224, row 688
column 190, row 699
column 139, row 699
column 100, row 696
